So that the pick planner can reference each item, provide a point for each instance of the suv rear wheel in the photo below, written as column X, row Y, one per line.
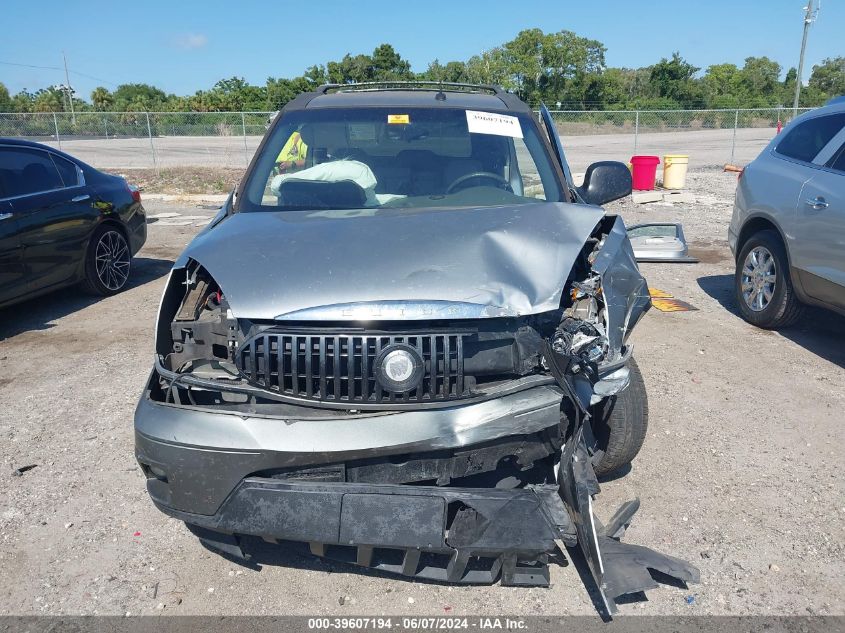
column 762, row 285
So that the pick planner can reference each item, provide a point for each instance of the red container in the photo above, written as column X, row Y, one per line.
column 644, row 171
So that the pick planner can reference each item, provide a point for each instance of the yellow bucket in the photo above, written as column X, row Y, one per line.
column 675, row 171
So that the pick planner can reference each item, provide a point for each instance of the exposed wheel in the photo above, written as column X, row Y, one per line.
column 619, row 425
column 107, row 262
column 762, row 284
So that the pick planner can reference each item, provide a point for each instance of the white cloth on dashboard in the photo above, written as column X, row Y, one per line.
column 335, row 171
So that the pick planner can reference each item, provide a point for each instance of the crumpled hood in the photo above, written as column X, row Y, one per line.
column 395, row 263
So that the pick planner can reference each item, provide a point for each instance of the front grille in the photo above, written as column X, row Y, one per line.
column 339, row 367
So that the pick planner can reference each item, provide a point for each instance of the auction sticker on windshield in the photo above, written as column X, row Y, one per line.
column 490, row 123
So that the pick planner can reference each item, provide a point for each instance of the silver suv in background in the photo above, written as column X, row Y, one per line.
column 787, row 232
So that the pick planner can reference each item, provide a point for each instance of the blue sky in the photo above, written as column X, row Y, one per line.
column 184, row 46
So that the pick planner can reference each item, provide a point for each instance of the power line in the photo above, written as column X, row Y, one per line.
column 30, row 65
column 59, row 68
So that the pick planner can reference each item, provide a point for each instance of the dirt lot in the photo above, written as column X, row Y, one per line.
column 741, row 473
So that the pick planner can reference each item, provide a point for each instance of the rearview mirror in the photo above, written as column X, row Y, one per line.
column 605, row 181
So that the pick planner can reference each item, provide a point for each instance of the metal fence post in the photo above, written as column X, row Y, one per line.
column 636, row 130
column 733, row 142
column 56, row 127
column 152, row 147
column 243, row 129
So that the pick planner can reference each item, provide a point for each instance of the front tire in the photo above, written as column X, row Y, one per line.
column 762, row 284
column 107, row 262
column 620, row 424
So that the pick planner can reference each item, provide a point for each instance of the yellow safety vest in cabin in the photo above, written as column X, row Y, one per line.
column 295, row 149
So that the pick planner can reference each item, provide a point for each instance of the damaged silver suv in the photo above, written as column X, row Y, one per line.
column 403, row 340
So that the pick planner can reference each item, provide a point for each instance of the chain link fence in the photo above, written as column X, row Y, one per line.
column 115, row 140
column 709, row 137
column 127, row 140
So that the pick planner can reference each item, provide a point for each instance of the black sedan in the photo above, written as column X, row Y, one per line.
column 62, row 222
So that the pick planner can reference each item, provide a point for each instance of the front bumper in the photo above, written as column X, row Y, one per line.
column 460, row 535
column 202, row 455
column 209, row 469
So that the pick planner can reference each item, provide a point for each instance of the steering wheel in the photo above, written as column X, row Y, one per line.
column 479, row 174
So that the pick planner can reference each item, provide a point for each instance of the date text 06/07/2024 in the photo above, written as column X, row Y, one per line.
column 417, row 623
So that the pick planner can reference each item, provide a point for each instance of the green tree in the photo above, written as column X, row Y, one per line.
column 236, row 94
column 50, row 99
column 490, row 67
column 543, row 65
column 721, row 85
column 388, row 65
column 672, row 79
column 102, row 99
column 351, row 69
column 829, row 77
column 138, row 98
column 23, row 102
column 621, row 87
column 315, row 75
column 561, row 66
column 279, row 92
column 5, row 100
column 759, row 79
column 452, row 72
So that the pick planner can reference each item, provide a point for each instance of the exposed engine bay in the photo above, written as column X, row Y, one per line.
column 204, row 342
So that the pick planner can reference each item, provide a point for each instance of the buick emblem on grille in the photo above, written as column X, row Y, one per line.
column 399, row 368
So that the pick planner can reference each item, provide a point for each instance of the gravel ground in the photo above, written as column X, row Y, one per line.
column 741, row 472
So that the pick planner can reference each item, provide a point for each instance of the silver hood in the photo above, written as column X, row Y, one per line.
column 395, row 263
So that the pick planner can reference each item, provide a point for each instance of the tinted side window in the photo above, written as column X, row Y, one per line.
column 25, row 171
column 838, row 160
column 67, row 170
column 807, row 139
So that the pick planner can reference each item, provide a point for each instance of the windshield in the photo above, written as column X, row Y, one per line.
column 337, row 158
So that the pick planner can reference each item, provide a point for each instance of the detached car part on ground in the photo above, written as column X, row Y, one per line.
column 660, row 242
column 423, row 379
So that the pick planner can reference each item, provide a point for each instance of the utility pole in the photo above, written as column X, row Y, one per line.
column 70, row 91
column 809, row 17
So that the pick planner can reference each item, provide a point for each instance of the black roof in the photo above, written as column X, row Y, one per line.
column 32, row 144
column 410, row 94
column 23, row 142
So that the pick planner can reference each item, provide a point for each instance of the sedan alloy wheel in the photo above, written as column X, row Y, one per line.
column 112, row 260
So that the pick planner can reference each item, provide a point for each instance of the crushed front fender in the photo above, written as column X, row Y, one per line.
column 624, row 289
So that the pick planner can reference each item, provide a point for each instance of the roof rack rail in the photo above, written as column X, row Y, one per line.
column 411, row 85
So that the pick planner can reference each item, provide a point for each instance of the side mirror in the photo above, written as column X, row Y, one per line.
column 605, row 181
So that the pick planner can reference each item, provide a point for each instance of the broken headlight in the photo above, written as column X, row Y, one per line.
column 196, row 327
